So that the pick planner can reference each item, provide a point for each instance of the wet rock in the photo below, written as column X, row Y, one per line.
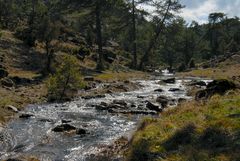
column 93, row 97
column 89, row 79
column 64, row 128
column 153, row 107
column 159, row 90
column 182, row 100
column 198, row 83
column 163, row 100
column 120, row 102
column 174, row 90
column 25, row 116
column 6, row 82
column 3, row 73
column 122, row 87
column 102, row 106
column 170, row 80
column 215, row 87
column 12, row 108
column 140, row 96
column 66, row 121
column 81, row 131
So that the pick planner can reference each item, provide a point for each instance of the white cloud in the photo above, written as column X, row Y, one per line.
column 198, row 10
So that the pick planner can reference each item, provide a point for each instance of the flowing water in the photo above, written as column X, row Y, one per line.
column 34, row 136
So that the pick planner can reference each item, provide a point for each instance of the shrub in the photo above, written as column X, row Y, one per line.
column 66, row 81
column 191, row 64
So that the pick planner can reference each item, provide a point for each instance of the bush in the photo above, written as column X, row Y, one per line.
column 64, row 84
column 191, row 64
column 182, row 67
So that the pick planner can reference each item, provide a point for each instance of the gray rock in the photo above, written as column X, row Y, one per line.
column 153, row 107
column 170, row 80
column 81, row 131
column 12, row 108
column 174, row 90
column 64, row 128
column 26, row 116
column 163, row 100
column 158, row 90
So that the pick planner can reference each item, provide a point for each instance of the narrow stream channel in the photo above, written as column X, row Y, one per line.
column 34, row 136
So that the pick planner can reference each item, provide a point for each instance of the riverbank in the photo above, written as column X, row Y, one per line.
column 205, row 130
column 17, row 98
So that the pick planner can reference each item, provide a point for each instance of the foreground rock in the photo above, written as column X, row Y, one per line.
column 69, row 128
column 215, row 87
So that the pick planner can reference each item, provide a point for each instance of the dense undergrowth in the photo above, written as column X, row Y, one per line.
column 192, row 132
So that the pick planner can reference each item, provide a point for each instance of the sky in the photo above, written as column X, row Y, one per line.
column 198, row 10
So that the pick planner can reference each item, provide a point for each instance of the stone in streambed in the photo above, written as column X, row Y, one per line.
column 153, row 107
column 64, row 128
column 169, row 80
column 81, row 131
column 158, row 90
column 163, row 100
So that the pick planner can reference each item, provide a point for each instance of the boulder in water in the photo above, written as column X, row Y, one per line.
column 153, row 107
column 163, row 100
column 81, row 131
column 169, row 80
column 158, row 90
column 26, row 116
column 174, row 90
column 215, row 87
column 198, row 83
column 64, row 128
column 120, row 102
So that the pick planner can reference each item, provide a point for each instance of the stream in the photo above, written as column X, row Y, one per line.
column 34, row 136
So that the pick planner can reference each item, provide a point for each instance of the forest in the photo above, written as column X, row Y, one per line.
column 125, row 80
column 160, row 34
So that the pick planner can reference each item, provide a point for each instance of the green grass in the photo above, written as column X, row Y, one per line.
column 120, row 76
column 191, row 132
column 221, row 72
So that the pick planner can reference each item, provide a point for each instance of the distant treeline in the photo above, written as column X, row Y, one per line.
column 156, row 38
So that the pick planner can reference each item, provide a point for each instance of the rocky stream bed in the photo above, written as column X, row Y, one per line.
column 79, row 130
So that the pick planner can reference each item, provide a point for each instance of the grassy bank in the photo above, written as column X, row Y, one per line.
column 110, row 76
column 193, row 131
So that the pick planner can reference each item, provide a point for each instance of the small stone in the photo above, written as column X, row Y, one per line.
column 12, row 108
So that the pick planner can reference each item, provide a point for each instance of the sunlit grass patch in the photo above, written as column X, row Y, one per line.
column 192, row 131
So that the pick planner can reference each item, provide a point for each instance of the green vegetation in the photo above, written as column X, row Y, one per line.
column 66, row 81
column 193, row 131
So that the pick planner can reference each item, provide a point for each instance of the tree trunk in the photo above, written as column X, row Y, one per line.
column 154, row 39
column 99, row 35
column 65, row 87
column 134, row 50
column 49, row 55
